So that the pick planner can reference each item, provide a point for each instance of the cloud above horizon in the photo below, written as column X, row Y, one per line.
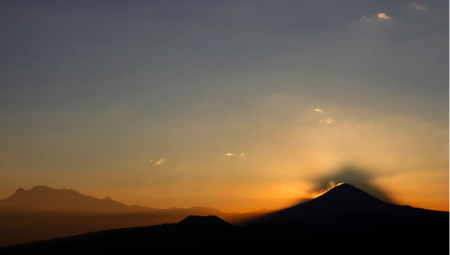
column 233, row 154
column 161, row 161
column 417, row 6
column 383, row 16
column 327, row 121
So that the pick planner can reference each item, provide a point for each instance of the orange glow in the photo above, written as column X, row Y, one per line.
column 330, row 186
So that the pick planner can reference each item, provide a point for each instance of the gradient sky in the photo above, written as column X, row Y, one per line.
column 238, row 105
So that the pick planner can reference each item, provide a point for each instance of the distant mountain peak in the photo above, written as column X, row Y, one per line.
column 342, row 198
column 345, row 195
column 344, row 190
column 46, row 198
column 342, row 186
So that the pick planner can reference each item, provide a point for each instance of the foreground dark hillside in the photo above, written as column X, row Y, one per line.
column 219, row 238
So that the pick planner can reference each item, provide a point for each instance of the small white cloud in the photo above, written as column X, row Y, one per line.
column 242, row 154
column 417, row 6
column 151, row 160
column 376, row 18
column 159, row 162
column 318, row 110
column 230, row 154
column 327, row 121
column 383, row 16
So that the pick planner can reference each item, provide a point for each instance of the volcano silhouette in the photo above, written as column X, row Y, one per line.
column 341, row 199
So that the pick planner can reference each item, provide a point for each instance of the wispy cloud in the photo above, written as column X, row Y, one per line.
column 327, row 121
column 233, row 154
column 318, row 110
column 159, row 162
column 376, row 18
column 417, row 6
column 383, row 16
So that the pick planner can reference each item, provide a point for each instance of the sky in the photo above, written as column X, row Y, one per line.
column 237, row 105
